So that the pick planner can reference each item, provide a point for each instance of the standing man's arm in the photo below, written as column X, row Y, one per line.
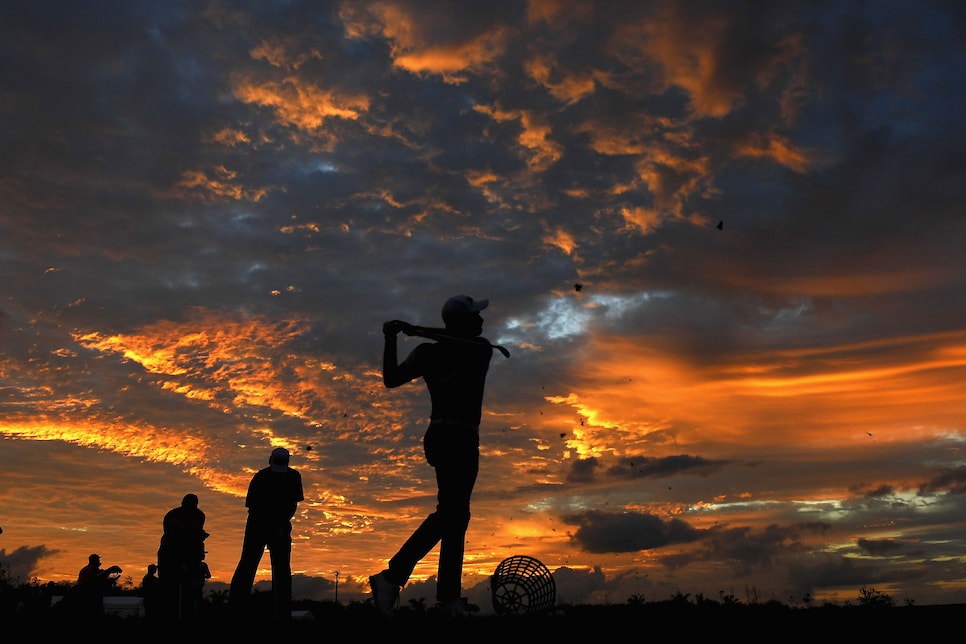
column 298, row 494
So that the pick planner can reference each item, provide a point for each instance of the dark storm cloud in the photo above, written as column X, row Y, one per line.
column 643, row 467
column 667, row 466
column 582, row 470
column 881, row 491
column 600, row 532
column 825, row 570
column 952, row 480
column 19, row 564
column 880, row 547
column 745, row 550
column 571, row 584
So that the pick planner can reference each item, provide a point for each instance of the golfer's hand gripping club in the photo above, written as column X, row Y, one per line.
column 394, row 327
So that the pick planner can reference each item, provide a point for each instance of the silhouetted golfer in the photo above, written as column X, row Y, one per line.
column 180, row 555
column 454, row 368
column 273, row 496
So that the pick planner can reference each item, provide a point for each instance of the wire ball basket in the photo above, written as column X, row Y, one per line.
column 521, row 585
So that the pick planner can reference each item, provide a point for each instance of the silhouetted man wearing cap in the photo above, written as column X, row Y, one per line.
column 273, row 496
column 454, row 368
column 93, row 582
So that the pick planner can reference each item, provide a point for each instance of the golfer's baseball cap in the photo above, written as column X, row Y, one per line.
column 463, row 304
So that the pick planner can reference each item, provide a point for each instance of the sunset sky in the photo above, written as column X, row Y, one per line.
column 722, row 241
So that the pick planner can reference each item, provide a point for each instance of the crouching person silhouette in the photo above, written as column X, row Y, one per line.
column 85, row 599
column 180, row 557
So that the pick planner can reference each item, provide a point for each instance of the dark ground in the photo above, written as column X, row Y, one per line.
column 659, row 620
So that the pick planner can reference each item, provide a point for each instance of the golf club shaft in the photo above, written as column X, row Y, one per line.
column 441, row 334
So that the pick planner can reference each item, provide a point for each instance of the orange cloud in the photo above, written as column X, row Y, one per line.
column 423, row 43
column 777, row 149
column 687, row 49
column 560, row 239
column 229, row 136
column 541, row 151
column 896, row 390
column 209, row 355
column 300, row 105
column 283, row 55
column 566, row 87
column 847, row 285
column 211, row 187
column 645, row 220
column 557, row 12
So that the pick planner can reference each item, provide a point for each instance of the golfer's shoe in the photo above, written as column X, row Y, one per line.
column 385, row 594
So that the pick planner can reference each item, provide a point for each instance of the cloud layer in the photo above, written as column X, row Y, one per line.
column 722, row 242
